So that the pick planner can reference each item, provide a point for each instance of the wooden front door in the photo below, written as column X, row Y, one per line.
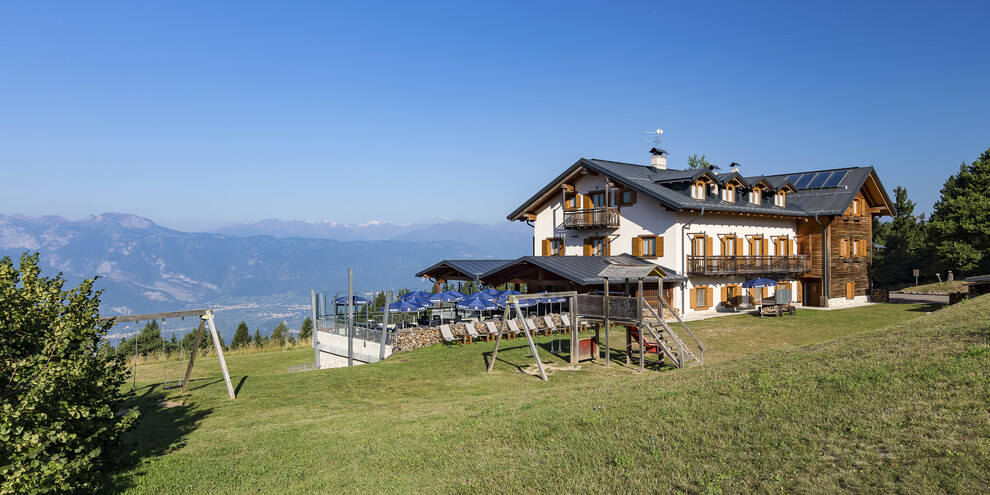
column 812, row 290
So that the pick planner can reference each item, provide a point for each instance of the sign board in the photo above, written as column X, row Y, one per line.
column 916, row 272
column 619, row 308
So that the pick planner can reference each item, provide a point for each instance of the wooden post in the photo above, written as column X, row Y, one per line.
column 192, row 355
column 608, row 326
column 529, row 338
column 498, row 338
column 642, row 336
column 223, row 362
column 575, row 342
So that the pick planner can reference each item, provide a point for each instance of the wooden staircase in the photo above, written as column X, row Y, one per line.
column 664, row 337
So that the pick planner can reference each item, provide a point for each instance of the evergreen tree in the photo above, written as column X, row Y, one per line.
column 257, row 338
column 697, row 163
column 306, row 330
column 242, row 337
column 905, row 248
column 278, row 335
column 960, row 225
column 379, row 301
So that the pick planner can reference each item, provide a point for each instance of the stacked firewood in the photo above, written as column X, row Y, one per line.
column 416, row 337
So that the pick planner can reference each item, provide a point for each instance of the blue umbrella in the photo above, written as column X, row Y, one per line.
column 757, row 283
column 503, row 301
column 509, row 292
column 489, row 292
column 416, row 294
column 477, row 304
column 423, row 303
column 448, row 296
column 552, row 300
column 358, row 301
column 403, row 307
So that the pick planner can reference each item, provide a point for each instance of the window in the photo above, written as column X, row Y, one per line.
column 730, row 193
column 596, row 246
column 857, row 208
column 729, row 245
column 627, row 197
column 571, row 201
column 779, row 199
column 756, row 246
column 597, row 199
column 699, row 298
column 647, row 246
column 699, row 245
column 755, row 197
column 698, row 190
column 783, row 246
column 553, row 247
column 844, row 248
column 732, row 295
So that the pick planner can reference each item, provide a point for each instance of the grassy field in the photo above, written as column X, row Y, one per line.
column 885, row 398
column 954, row 286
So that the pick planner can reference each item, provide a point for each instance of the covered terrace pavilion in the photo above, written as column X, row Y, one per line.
column 460, row 270
column 582, row 274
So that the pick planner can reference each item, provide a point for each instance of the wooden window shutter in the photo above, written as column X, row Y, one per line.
column 607, row 246
column 587, row 204
column 587, row 247
column 850, row 290
column 800, row 292
column 792, row 251
column 546, row 247
column 739, row 246
column 637, row 246
column 766, row 252
column 763, row 293
column 752, row 295
column 693, row 298
column 844, row 248
column 708, row 247
column 659, row 246
column 725, row 296
column 709, row 298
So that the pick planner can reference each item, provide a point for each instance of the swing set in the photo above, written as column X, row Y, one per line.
column 205, row 319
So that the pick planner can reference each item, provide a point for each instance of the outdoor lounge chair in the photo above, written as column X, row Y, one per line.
column 471, row 332
column 551, row 328
column 446, row 333
column 531, row 326
column 492, row 329
column 513, row 328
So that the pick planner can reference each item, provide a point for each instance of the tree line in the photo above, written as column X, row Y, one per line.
column 956, row 237
column 149, row 340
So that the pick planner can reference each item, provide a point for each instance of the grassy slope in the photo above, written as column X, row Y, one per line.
column 954, row 286
column 904, row 408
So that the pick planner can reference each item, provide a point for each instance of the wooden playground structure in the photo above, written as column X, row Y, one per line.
column 205, row 319
column 601, row 311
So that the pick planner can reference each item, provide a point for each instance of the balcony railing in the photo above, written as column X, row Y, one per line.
column 592, row 218
column 731, row 265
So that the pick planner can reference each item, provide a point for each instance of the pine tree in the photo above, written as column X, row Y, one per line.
column 905, row 248
column 278, row 335
column 257, row 338
column 306, row 330
column 960, row 225
column 242, row 337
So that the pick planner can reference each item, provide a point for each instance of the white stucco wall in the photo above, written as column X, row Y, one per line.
column 648, row 217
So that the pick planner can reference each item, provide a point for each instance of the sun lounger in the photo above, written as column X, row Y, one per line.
column 551, row 328
column 531, row 326
column 513, row 328
column 446, row 333
column 471, row 332
column 492, row 329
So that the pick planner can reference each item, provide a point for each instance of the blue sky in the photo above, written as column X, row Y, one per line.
column 200, row 114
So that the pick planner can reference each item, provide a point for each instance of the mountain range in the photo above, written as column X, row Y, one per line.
column 261, row 272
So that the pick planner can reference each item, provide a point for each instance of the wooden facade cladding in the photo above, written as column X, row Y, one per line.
column 850, row 251
column 809, row 242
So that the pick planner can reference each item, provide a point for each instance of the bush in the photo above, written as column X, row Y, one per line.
column 58, row 395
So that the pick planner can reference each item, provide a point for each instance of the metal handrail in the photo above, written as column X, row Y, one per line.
column 591, row 217
column 708, row 265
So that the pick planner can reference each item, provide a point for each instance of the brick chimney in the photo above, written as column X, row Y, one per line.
column 658, row 160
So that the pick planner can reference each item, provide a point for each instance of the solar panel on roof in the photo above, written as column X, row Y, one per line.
column 803, row 181
column 835, row 178
column 818, row 179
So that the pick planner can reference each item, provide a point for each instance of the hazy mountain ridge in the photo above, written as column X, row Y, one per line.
column 144, row 267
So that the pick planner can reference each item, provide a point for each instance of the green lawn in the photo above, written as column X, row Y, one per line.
column 866, row 407
column 954, row 286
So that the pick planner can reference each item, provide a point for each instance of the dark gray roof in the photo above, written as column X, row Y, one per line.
column 982, row 279
column 582, row 270
column 657, row 184
column 472, row 269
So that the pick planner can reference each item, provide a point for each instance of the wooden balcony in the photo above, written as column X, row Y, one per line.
column 592, row 218
column 754, row 265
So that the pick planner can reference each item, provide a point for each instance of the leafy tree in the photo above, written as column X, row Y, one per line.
column 242, row 337
column 278, row 335
column 905, row 247
column 306, row 330
column 960, row 224
column 59, row 396
column 694, row 162
column 257, row 337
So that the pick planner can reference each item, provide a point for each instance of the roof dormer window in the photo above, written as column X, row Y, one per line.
column 730, row 193
column 755, row 196
column 779, row 198
column 698, row 190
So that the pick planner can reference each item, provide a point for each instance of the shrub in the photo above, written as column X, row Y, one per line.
column 58, row 394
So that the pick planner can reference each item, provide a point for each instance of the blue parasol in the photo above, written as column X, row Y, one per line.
column 358, row 301
column 416, row 294
column 757, row 283
column 403, row 307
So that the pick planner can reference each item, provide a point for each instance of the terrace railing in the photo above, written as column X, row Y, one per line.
column 733, row 265
column 592, row 218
